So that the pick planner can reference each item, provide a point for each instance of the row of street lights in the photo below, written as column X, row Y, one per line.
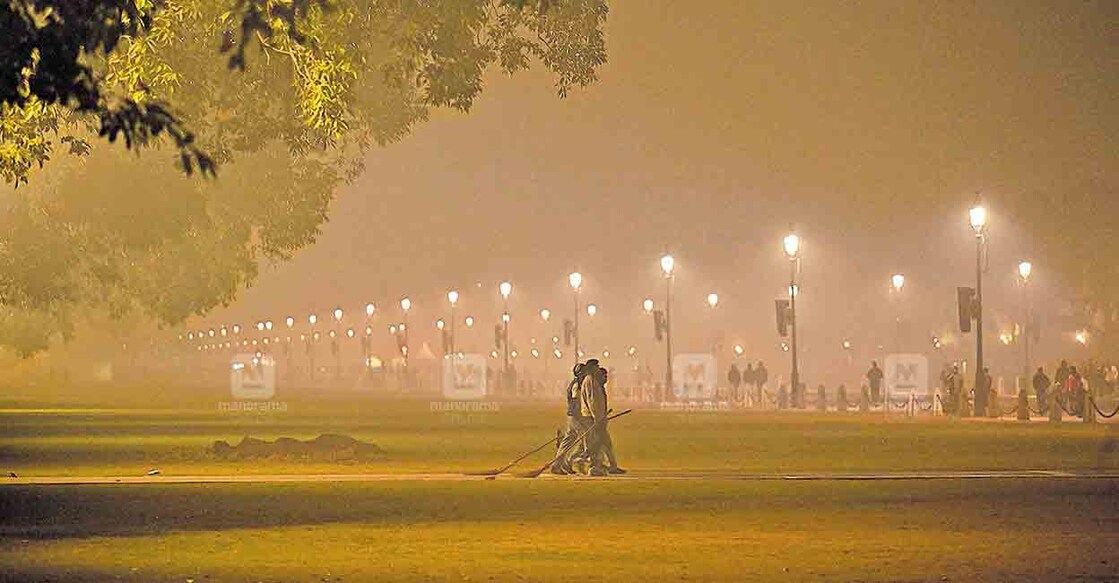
column 792, row 248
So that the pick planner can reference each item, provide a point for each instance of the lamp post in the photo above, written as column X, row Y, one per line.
column 288, row 372
column 592, row 311
column 977, row 216
column 452, row 298
column 367, row 340
column 1025, row 269
column 405, row 306
column 545, row 316
column 575, row 279
column 311, row 321
column 792, row 251
column 847, row 351
column 334, row 343
column 712, row 303
column 668, row 264
column 441, row 325
column 505, row 288
column 897, row 281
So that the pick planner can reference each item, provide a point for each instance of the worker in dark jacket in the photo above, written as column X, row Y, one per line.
column 1041, row 387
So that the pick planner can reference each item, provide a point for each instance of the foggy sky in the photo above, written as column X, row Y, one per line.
column 871, row 126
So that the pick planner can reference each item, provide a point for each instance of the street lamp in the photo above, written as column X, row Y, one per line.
column 405, row 306
column 452, row 298
column 647, row 305
column 792, row 251
column 575, row 279
column 977, row 216
column 338, row 314
column 668, row 265
column 369, row 309
column 592, row 310
column 792, row 245
column 545, row 314
column 290, row 321
column 311, row 338
column 1025, row 269
column 897, row 281
column 505, row 288
column 713, row 302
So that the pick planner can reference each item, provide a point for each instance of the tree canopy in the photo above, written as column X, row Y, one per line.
column 283, row 113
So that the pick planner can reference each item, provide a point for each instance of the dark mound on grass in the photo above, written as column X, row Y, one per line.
column 327, row 447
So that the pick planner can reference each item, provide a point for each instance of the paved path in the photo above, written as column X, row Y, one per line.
column 448, row 477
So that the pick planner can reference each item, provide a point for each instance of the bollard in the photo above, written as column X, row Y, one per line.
column 864, row 400
column 782, row 397
column 994, row 410
column 1054, row 407
column 821, row 398
column 841, row 398
column 1023, row 405
column 1089, row 415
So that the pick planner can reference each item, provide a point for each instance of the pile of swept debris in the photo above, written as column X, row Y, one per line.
column 328, row 447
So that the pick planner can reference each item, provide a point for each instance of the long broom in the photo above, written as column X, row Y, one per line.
column 502, row 469
column 495, row 471
column 536, row 473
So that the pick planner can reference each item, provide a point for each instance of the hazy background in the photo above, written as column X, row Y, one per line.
column 871, row 126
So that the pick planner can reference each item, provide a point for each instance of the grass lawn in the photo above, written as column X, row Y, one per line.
column 557, row 529
column 998, row 530
column 417, row 439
